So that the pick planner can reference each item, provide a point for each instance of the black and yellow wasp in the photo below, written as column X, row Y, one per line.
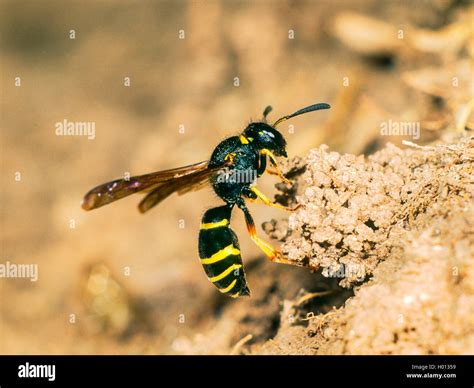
column 232, row 170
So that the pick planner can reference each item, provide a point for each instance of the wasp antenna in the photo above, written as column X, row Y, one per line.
column 266, row 111
column 310, row 108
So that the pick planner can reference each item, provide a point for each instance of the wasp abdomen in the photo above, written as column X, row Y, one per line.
column 220, row 252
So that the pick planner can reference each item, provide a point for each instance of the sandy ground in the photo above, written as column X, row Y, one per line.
column 114, row 281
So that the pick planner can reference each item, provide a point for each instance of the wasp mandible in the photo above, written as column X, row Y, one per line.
column 232, row 171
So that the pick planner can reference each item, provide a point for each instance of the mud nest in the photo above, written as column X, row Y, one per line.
column 397, row 227
column 356, row 209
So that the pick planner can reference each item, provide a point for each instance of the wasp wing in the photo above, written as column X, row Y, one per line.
column 112, row 191
column 182, row 185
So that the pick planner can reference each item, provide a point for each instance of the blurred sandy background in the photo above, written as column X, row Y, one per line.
column 121, row 282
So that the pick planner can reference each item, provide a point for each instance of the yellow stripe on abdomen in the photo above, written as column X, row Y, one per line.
column 229, row 287
column 225, row 273
column 212, row 225
column 221, row 255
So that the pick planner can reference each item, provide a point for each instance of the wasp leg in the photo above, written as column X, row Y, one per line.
column 253, row 194
column 262, row 165
column 273, row 161
column 274, row 172
column 272, row 253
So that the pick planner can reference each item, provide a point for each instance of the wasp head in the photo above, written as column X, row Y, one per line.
column 264, row 136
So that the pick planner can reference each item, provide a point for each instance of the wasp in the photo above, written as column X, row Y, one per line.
column 232, row 171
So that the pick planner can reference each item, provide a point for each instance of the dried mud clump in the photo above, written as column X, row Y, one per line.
column 356, row 210
column 404, row 217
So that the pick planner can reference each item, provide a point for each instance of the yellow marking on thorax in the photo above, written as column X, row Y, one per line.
column 229, row 287
column 212, row 225
column 225, row 273
column 244, row 140
column 221, row 255
column 230, row 157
